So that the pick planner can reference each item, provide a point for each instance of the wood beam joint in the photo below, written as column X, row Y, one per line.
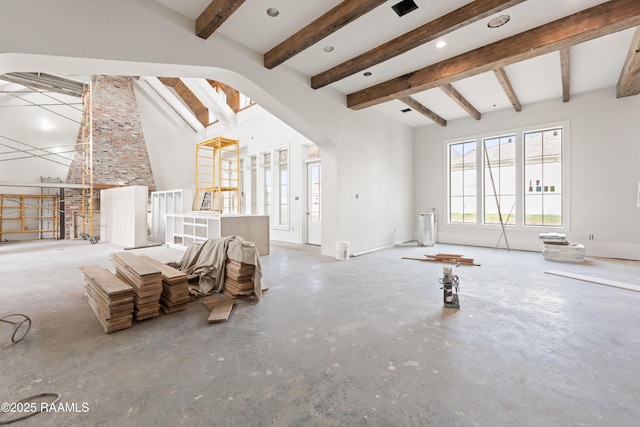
column 341, row 15
column 423, row 110
column 629, row 81
column 589, row 24
column 461, row 101
column 501, row 75
column 432, row 30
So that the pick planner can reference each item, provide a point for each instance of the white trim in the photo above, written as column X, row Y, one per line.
column 518, row 132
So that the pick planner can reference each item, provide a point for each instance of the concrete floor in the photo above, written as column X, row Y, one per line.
column 358, row 342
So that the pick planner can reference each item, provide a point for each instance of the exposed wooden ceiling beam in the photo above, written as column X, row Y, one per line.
column 233, row 96
column 502, row 77
column 423, row 110
column 461, row 101
column 605, row 18
column 566, row 79
column 193, row 102
column 344, row 13
column 629, row 81
column 214, row 15
column 171, row 98
column 439, row 27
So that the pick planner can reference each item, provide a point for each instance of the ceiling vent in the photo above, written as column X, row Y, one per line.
column 404, row 7
column 406, row 110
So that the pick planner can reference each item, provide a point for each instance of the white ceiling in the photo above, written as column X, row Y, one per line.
column 594, row 65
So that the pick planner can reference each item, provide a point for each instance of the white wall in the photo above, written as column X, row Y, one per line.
column 170, row 142
column 604, row 171
column 144, row 38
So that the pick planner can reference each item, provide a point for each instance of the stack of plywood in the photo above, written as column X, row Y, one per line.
column 146, row 281
column 175, row 287
column 110, row 298
column 238, row 279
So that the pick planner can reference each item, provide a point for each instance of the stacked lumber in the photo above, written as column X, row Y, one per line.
column 146, row 281
column 109, row 297
column 446, row 258
column 219, row 308
column 175, row 287
column 238, row 279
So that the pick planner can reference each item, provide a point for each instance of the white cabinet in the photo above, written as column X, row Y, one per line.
column 184, row 229
column 163, row 203
column 123, row 215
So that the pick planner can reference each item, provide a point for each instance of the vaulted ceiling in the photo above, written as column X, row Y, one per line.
column 440, row 61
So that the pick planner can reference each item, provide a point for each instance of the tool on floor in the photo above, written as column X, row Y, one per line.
column 21, row 325
column 450, row 284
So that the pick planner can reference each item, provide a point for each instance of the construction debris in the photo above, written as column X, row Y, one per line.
column 446, row 258
column 110, row 298
column 220, row 308
column 142, row 286
column 146, row 281
column 553, row 238
column 238, row 279
column 175, row 287
column 564, row 253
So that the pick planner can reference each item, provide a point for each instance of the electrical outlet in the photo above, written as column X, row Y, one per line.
column 590, row 236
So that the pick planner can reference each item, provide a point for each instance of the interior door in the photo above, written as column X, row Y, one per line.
column 314, row 198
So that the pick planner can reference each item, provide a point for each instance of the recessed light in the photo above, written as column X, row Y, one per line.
column 328, row 48
column 273, row 12
column 441, row 44
column 367, row 73
column 498, row 21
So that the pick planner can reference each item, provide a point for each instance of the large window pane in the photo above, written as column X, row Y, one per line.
column 499, row 180
column 267, row 185
column 284, row 186
column 543, row 177
column 462, row 182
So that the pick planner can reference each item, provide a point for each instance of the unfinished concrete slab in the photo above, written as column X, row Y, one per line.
column 359, row 342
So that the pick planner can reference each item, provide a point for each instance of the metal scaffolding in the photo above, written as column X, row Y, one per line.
column 218, row 176
column 29, row 213
column 87, row 165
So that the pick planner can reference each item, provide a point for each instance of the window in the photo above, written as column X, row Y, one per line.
column 267, row 184
column 254, row 185
column 462, row 182
column 499, row 180
column 284, row 185
column 245, row 101
column 243, row 207
column 521, row 177
column 543, row 177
